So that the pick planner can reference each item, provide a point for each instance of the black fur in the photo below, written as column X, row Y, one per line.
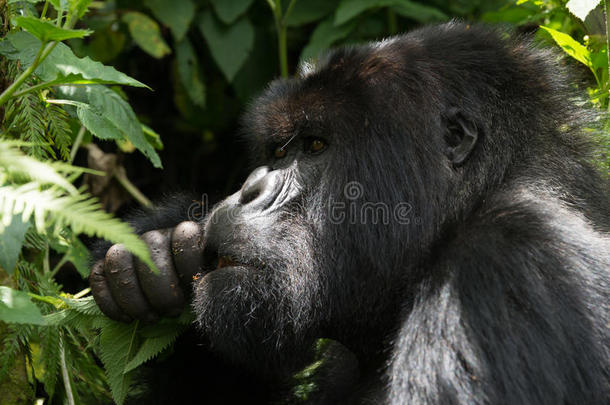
column 471, row 263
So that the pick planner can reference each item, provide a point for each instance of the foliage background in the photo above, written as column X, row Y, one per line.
column 197, row 63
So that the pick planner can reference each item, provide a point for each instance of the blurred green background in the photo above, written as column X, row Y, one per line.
column 206, row 59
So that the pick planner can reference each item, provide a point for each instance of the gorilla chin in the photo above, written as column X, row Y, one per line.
column 253, row 304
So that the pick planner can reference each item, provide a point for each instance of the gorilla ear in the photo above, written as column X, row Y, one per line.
column 461, row 136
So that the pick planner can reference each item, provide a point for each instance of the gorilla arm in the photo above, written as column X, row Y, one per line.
column 495, row 319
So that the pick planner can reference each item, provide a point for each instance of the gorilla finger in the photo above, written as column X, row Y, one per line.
column 121, row 275
column 102, row 296
column 187, row 248
column 163, row 290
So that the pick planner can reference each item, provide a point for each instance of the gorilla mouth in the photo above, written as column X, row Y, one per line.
column 226, row 261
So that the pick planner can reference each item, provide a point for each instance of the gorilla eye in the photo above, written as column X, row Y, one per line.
column 279, row 152
column 316, row 145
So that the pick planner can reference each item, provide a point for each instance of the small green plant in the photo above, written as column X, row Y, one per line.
column 52, row 102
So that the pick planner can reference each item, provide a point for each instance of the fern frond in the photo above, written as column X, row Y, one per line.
column 16, row 338
column 58, row 129
column 14, row 162
column 50, row 358
column 117, row 344
column 152, row 347
column 25, row 117
column 81, row 212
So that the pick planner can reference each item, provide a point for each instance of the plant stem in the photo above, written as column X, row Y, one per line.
column 60, row 263
column 280, row 27
column 82, row 293
column 43, row 52
column 44, row 9
column 64, row 372
column 288, row 11
column 77, row 142
column 282, row 48
column 131, row 189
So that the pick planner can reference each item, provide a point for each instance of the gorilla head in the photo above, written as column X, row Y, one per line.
column 425, row 200
column 366, row 160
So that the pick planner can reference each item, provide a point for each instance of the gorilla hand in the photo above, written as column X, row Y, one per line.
column 125, row 288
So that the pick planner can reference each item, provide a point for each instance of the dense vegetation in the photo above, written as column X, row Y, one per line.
column 97, row 97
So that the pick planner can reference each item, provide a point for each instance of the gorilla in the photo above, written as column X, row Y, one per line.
column 429, row 202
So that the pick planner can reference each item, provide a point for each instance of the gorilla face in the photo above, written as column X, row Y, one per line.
column 319, row 239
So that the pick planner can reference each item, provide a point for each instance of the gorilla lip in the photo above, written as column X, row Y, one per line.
column 226, row 261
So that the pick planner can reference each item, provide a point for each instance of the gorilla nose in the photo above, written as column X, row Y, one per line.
column 260, row 189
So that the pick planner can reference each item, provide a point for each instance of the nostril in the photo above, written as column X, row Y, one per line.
column 249, row 194
column 254, row 185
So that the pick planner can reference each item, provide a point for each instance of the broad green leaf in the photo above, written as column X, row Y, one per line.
column 571, row 46
column 152, row 137
column 46, row 31
column 229, row 10
column 189, row 72
column 118, row 343
column 17, row 307
column 349, row 9
column 177, row 15
column 325, row 34
column 307, row 11
column 62, row 61
column 106, row 115
column 12, row 236
column 79, row 256
column 145, row 31
column 581, row 8
column 229, row 45
column 75, row 78
column 418, row 12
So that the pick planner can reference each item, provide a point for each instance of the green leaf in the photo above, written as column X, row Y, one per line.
column 75, row 78
column 307, row 11
column 118, row 342
column 145, row 31
column 106, row 115
column 61, row 62
column 152, row 347
column 582, row 8
column 417, row 11
column 152, row 137
column 12, row 237
column 189, row 72
column 79, row 256
column 78, row 7
column 17, row 307
column 325, row 34
column 571, row 46
column 46, row 31
column 230, row 10
column 349, row 9
column 177, row 15
column 230, row 46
